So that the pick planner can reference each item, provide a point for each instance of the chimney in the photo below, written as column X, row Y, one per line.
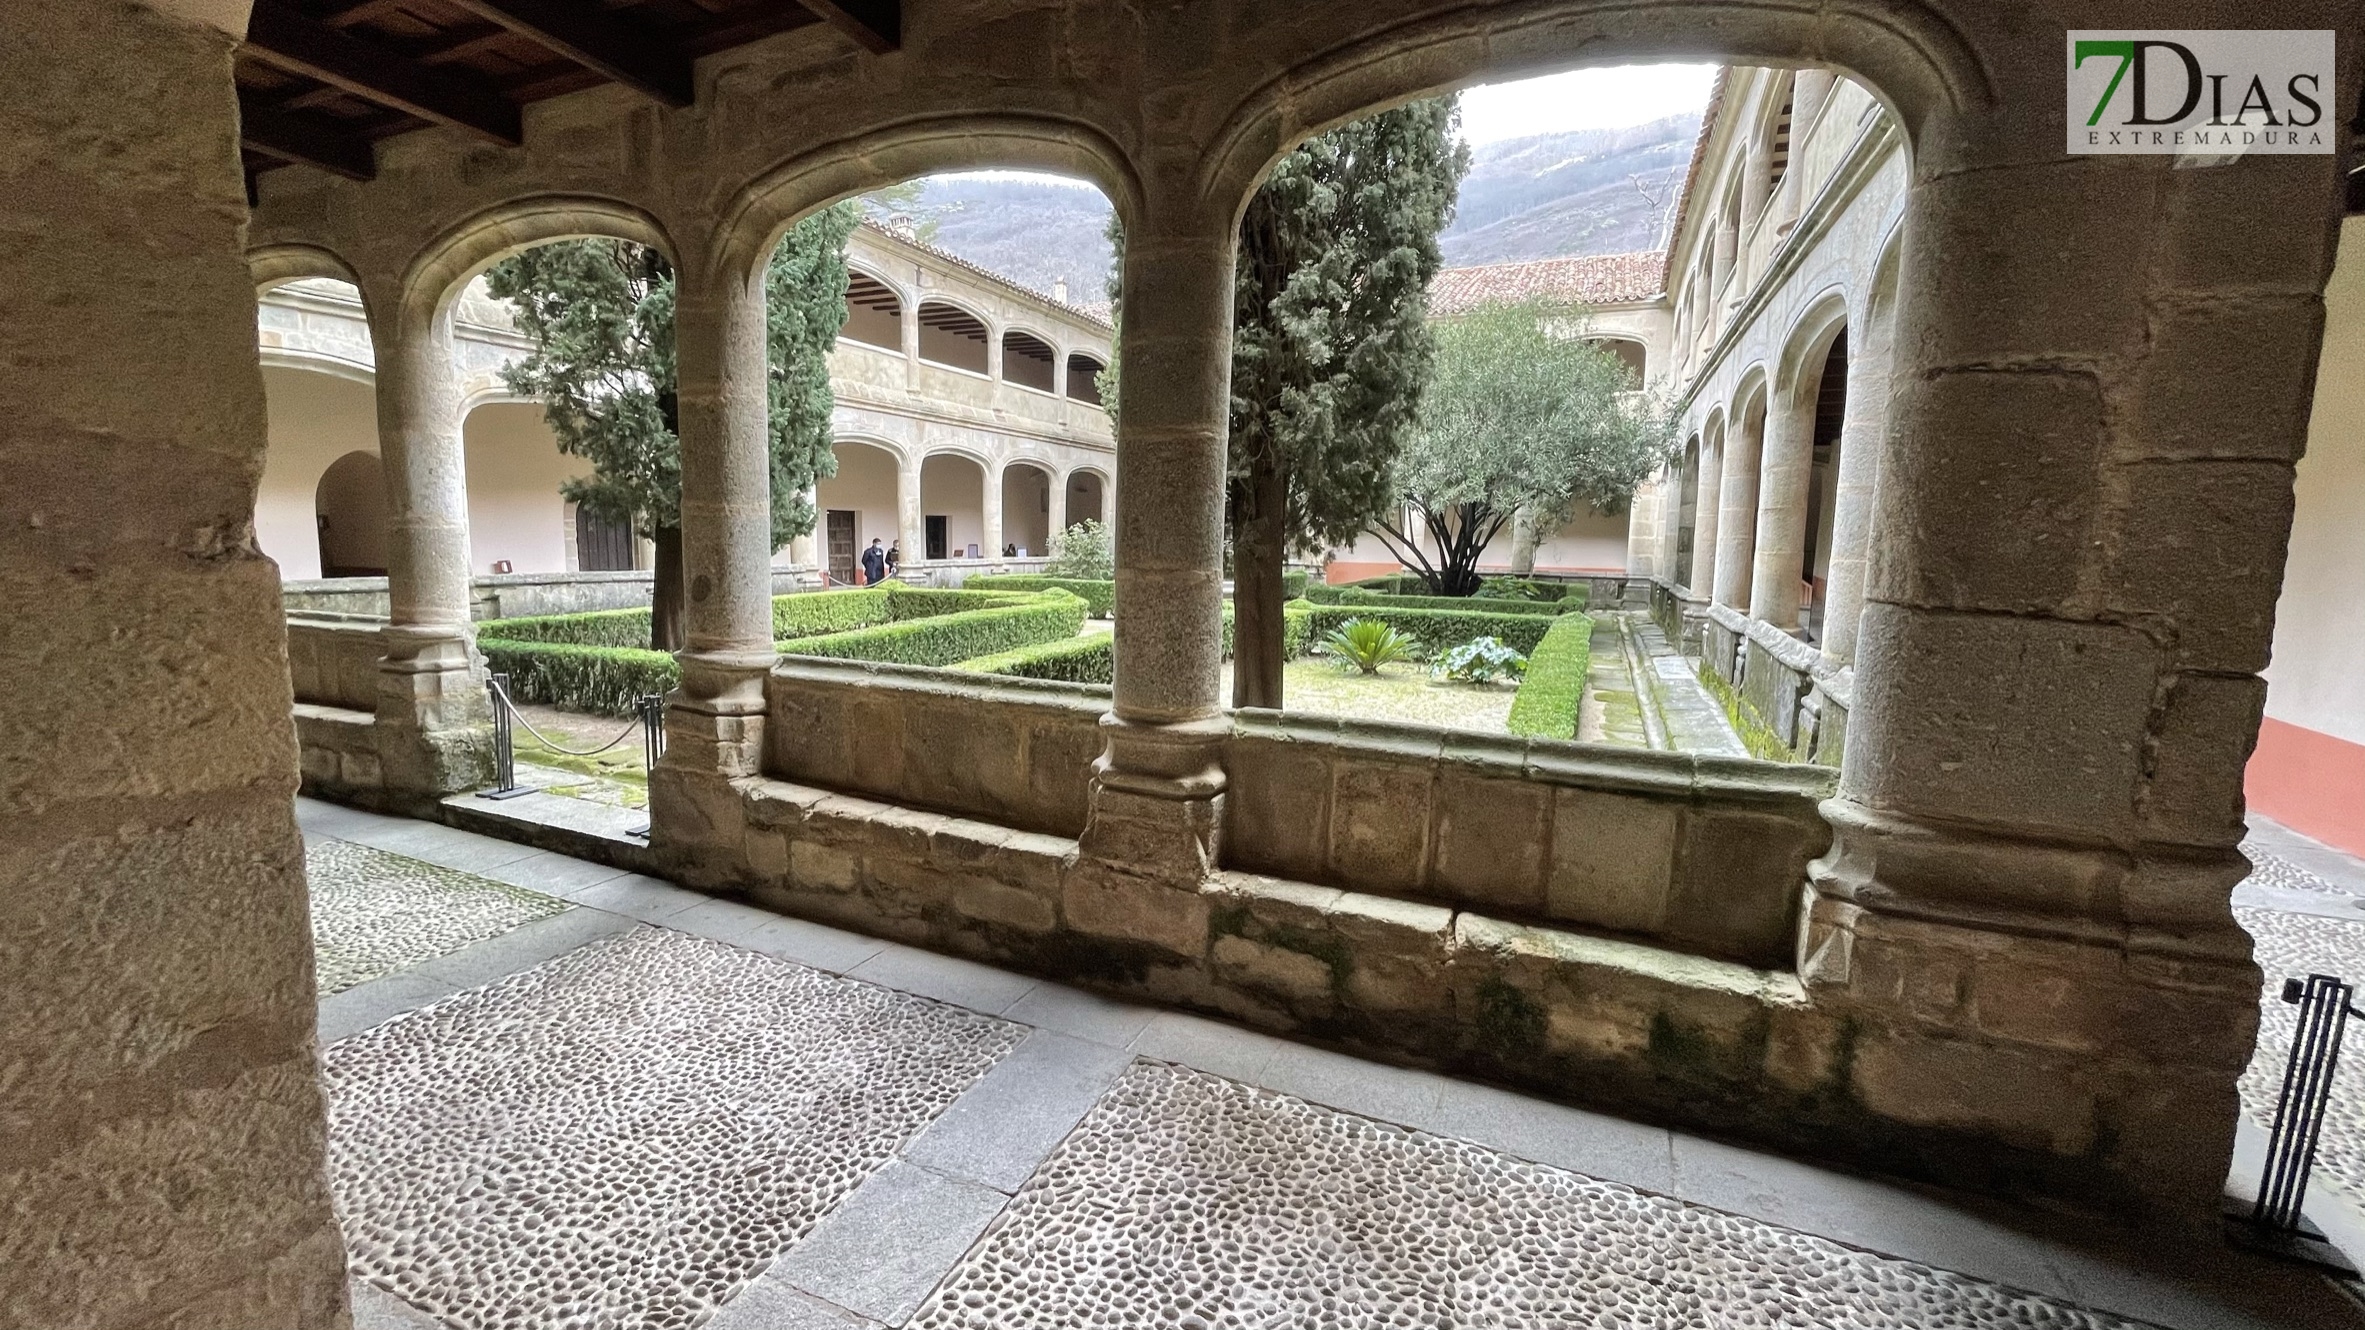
column 899, row 225
column 1059, row 289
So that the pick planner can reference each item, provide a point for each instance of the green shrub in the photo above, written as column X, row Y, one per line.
column 949, row 637
column 1293, row 583
column 1100, row 596
column 1091, row 658
column 596, row 628
column 1436, row 631
column 811, row 613
column 1546, row 707
column 905, row 603
column 1482, row 660
column 1482, row 604
column 1085, row 550
column 1366, row 644
column 606, row 681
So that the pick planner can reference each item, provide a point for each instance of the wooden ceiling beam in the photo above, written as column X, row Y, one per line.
column 596, row 39
column 290, row 40
column 303, row 139
column 875, row 25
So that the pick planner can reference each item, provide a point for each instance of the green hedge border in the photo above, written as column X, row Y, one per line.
column 1433, row 631
column 605, row 681
column 949, row 638
column 1099, row 596
column 1549, row 697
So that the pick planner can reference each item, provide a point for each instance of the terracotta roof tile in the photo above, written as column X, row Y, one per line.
column 1596, row 279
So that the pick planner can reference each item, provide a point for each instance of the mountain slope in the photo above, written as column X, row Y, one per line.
column 1590, row 191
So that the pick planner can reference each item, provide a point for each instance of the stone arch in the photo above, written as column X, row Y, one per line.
column 952, row 504
column 1630, row 350
column 349, row 505
column 1084, row 495
column 1037, row 356
column 1030, row 487
column 963, row 333
column 875, row 306
column 1809, row 338
column 1736, row 503
column 275, row 266
column 865, row 493
column 1909, row 55
column 1084, row 368
column 762, row 210
column 446, row 264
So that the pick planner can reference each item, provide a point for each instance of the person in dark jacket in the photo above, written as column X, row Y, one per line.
column 874, row 564
column 894, row 558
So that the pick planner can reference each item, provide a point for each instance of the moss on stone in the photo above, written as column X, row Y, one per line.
column 1510, row 1023
column 1756, row 735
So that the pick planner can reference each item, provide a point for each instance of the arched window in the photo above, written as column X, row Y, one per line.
column 874, row 316
column 349, row 505
column 1028, row 360
column 950, row 335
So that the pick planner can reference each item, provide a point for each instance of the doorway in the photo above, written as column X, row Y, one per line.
column 840, row 529
column 937, row 539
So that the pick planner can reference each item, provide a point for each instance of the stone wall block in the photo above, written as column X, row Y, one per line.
column 2199, row 550
column 1102, row 901
column 1059, row 756
column 1736, row 887
column 1398, row 953
column 818, row 867
column 1279, row 806
column 2193, row 791
column 2022, row 1097
column 1380, row 814
column 2032, row 723
column 1613, row 858
column 812, row 732
column 2017, row 452
column 1494, row 837
column 1301, row 981
column 2190, row 406
column 878, row 760
column 2210, row 236
column 1967, row 238
column 1174, row 839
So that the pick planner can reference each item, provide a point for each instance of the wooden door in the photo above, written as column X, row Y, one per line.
column 841, row 546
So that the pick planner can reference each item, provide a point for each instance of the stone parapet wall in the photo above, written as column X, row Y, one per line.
column 509, row 595
column 1702, row 854
column 332, row 660
column 1014, row 751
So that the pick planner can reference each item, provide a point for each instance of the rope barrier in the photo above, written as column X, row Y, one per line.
column 503, row 694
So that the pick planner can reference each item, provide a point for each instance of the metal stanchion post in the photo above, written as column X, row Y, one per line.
column 2275, row 1222
column 504, row 743
column 652, row 709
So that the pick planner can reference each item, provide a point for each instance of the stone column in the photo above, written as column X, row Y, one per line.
column 714, row 723
column 806, row 551
column 165, row 1144
column 434, row 724
column 911, row 523
column 990, row 515
column 1862, row 436
column 1702, row 572
column 1785, row 473
column 1156, row 790
column 2024, row 919
column 1736, row 522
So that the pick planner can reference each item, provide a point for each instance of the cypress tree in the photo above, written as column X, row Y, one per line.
column 600, row 314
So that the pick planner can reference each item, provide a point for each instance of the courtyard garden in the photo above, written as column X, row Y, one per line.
column 1515, row 660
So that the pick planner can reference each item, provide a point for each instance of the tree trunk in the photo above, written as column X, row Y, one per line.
column 668, row 627
column 1259, row 540
column 1523, row 542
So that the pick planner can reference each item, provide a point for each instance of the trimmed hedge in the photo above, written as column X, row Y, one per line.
column 594, row 628
column 1546, row 706
column 905, row 603
column 1483, row 604
column 1572, row 594
column 606, row 681
column 1433, row 631
column 812, row 613
column 947, row 637
column 1090, row 658
column 1099, row 596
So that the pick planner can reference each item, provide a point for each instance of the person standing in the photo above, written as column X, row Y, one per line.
column 894, row 558
column 874, row 564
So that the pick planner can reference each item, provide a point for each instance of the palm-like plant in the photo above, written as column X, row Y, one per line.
column 1367, row 644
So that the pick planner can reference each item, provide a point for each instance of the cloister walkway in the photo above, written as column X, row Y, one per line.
column 561, row 1094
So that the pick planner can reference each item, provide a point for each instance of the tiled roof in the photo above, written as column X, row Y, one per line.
column 1691, row 176
column 1597, row 279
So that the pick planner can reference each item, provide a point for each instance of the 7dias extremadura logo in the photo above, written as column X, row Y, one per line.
column 2222, row 93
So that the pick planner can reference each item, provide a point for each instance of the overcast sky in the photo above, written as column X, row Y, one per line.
column 1580, row 99
column 1583, row 99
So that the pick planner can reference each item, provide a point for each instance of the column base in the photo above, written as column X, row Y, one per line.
column 2087, row 1008
column 714, row 736
column 434, row 721
column 1152, row 836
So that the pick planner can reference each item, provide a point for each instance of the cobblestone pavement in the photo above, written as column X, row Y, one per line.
column 1189, row 1200
column 374, row 913
column 658, row 1109
column 2303, row 922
